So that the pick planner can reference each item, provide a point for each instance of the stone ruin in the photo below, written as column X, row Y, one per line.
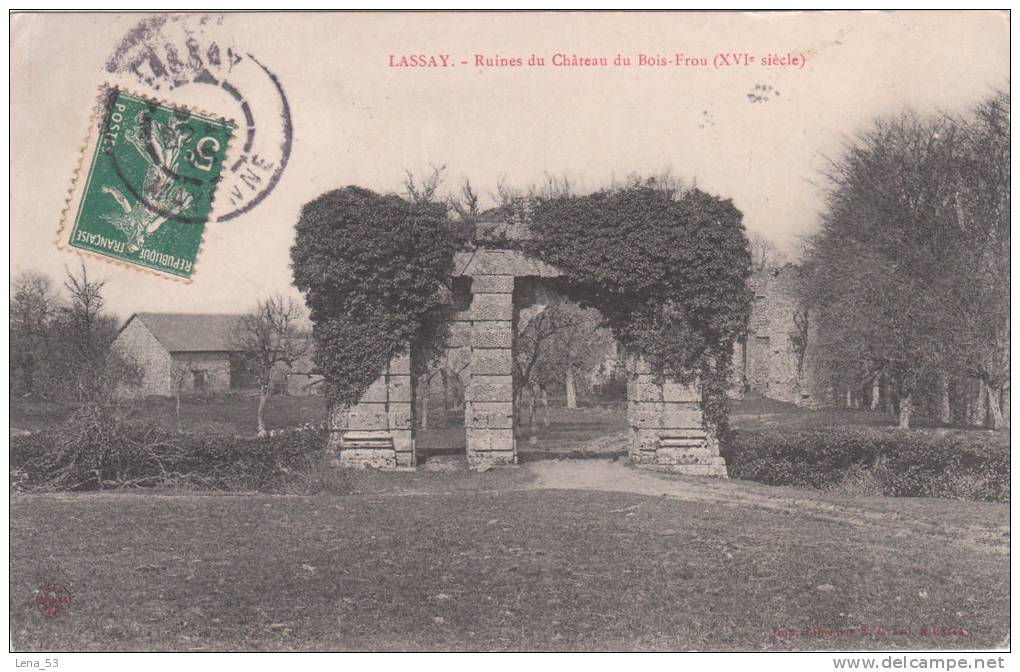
column 776, row 358
column 667, row 428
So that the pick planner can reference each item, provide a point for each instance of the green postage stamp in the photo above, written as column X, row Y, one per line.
column 148, row 191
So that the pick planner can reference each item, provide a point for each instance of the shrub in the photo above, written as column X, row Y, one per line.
column 870, row 460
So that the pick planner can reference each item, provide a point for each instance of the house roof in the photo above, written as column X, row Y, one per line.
column 191, row 332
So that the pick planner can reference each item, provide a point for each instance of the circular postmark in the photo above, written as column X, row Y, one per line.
column 197, row 55
column 53, row 600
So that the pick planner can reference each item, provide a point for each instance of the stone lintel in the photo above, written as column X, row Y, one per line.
column 492, row 284
column 501, row 262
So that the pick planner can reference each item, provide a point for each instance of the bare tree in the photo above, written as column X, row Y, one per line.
column 466, row 204
column 535, row 331
column 555, row 345
column 33, row 309
column 466, row 207
column 765, row 255
column 85, row 311
column 270, row 336
column 424, row 190
column 178, row 374
column 83, row 334
column 551, row 187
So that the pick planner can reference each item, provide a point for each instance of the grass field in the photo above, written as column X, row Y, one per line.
column 218, row 414
column 480, row 562
column 557, row 430
column 509, row 559
column 756, row 412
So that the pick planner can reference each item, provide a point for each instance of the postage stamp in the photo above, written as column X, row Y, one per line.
column 151, row 173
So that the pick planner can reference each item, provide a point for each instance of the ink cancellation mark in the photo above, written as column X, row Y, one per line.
column 197, row 52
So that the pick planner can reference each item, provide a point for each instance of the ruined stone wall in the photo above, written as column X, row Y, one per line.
column 776, row 358
column 378, row 431
column 668, row 428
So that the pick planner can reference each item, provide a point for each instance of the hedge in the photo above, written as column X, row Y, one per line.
column 94, row 450
column 956, row 464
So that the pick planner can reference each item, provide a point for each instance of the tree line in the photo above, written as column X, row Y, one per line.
column 60, row 339
column 908, row 276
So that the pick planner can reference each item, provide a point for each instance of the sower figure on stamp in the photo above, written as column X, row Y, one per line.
column 162, row 198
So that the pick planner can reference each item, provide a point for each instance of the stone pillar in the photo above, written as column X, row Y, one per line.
column 378, row 431
column 488, row 407
column 667, row 427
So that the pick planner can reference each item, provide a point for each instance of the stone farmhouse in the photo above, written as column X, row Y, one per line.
column 199, row 349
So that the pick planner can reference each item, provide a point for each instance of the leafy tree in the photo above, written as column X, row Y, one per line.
column 871, row 264
column 268, row 337
column 374, row 271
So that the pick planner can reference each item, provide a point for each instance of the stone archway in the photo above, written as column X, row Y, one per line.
column 667, row 428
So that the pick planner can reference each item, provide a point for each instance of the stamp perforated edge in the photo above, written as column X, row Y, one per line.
column 78, row 182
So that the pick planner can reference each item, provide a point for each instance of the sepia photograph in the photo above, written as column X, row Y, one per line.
column 510, row 331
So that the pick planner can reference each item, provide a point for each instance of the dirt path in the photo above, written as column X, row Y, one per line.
column 617, row 476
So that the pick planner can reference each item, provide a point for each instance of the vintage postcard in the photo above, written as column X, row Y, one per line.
column 511, row 331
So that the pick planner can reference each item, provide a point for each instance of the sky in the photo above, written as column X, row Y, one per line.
column 758, row 134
